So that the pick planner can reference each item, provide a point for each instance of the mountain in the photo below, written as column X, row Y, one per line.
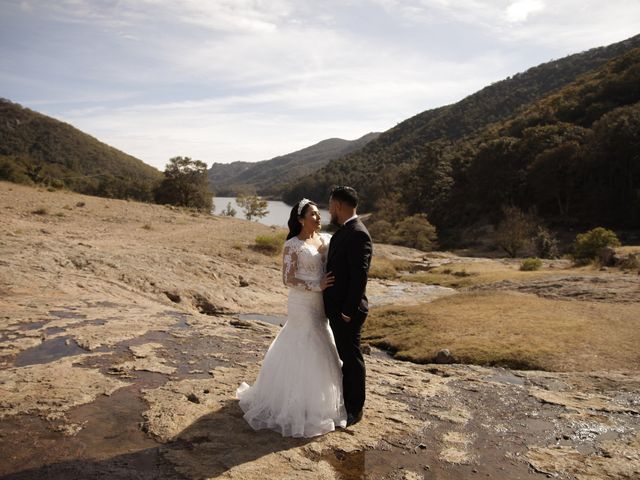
column 571, row 158
column 267, row 177
column 35, row 148
column 372, row 169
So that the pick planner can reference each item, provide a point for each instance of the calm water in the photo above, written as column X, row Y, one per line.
column 278, row 211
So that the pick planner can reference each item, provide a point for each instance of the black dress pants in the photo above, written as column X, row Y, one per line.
column 347, row 337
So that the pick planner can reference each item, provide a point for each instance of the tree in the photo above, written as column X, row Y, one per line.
column 253, row 206
column 186, row 184
column 229, row 211
column 515, row 231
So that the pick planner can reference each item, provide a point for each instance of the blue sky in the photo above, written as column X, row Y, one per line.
column 225, row 80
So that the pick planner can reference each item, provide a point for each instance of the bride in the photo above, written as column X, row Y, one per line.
column 298, row 391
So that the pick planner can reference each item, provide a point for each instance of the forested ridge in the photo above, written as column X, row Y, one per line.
column 35, row 148
column 270, row 177
column 560, row 140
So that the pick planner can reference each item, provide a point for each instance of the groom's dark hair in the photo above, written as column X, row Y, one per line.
column 346, row 195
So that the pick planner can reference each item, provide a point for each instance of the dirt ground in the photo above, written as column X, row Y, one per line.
column 125, row 329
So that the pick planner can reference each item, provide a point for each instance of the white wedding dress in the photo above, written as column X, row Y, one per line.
column 298, row 392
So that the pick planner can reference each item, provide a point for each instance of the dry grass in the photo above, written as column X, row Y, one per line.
column 386, row 268
column 270, row 244
column 514, row 330
column 627, row 249
column 466, row 274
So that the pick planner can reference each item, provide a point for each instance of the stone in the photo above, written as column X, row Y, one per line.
column 173, row 296
column 444, row 356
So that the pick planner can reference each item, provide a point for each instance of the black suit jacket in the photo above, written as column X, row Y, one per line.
column 349, row 259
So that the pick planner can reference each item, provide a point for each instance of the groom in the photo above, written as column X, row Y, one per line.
column 345, row 302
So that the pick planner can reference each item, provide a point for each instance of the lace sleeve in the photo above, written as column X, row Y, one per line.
column 289, row 269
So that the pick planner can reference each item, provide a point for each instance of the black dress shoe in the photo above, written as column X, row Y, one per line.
column 354, row 418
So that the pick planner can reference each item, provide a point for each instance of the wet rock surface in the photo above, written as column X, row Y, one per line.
column 102, row 375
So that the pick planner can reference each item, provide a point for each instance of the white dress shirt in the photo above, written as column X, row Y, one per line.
column 355, row 216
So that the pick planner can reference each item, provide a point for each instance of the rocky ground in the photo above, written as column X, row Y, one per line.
column 125, row 329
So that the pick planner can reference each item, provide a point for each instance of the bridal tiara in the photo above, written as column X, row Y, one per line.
column 301, row 205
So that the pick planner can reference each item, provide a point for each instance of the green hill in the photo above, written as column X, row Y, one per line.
column 375, row 169
column 35, row 148
column 268, row 177
column 572, row 158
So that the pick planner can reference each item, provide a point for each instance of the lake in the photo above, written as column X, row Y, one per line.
column 278, row 211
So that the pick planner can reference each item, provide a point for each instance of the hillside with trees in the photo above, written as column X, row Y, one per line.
column 269, row 177
column 395, row 151
column 37, row 149
column 569, row 157
column 572, row 159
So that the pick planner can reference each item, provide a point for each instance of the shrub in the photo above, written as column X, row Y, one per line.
column 587, row 244
column 40, row 211
column 545, row 243
column 270, row 244
column 381, row 230
column 415, row 232
column 530, row 264
column 229, row 211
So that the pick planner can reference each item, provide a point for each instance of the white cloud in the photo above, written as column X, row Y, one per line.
column 520, row 10
column 250, row 79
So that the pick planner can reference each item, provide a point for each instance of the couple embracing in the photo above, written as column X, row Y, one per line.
column 312, row 378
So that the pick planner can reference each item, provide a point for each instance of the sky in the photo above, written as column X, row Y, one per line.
column 227, row 80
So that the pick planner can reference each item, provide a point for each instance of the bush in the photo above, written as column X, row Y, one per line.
column 546, row 244
column 381, row 230
column 530, row 264
column 415, row 232
column 270, row 244
column 587, row 244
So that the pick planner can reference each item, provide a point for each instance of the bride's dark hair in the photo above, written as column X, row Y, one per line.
column 294, row 224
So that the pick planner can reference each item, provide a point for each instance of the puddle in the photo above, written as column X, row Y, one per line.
column 272, row 319
column 103, row 303
column 66, row 314
column 30, row 326
column 348, row 466
column 109, row 443
column 48, row 351
column 53, row 330
column 181, row 318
